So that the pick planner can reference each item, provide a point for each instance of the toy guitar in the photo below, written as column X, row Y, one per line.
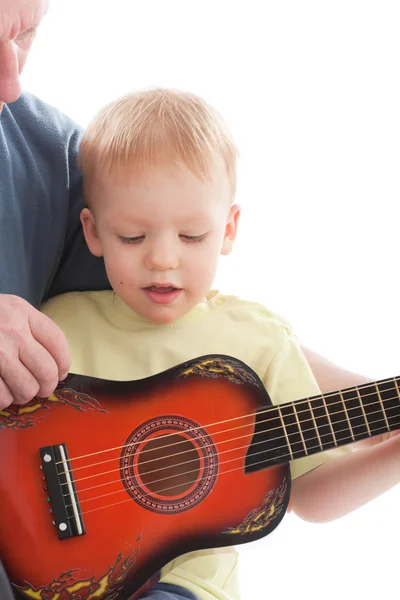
column 104, row 482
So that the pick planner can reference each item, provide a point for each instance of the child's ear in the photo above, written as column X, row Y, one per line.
column 90, row 232
column 231, row 229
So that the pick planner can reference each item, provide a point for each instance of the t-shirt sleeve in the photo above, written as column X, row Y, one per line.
column 289, row 378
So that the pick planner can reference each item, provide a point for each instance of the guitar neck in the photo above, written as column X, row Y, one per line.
column 327, row 421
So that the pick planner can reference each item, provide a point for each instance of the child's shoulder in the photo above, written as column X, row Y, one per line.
column 241, row 310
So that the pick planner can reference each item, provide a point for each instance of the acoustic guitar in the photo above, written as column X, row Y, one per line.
column 105, row 482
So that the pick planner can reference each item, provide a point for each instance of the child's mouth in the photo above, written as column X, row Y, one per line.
column 161, row 289
column 162, row 294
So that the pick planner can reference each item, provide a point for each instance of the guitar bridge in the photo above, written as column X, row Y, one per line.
column 62, row 492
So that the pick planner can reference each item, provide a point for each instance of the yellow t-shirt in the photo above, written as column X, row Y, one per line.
column 107, row 339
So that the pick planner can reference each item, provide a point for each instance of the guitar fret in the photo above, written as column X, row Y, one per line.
column 339, row 419
column 347, row 416
column 315, row 425
column 329, row 419
column 323, row 427
column 298, row 423
column 308, row 428
column 397, row 387
column 383, row 408
column 390, row 394
column 286, row 435
column 363, row 411
column 373, row 410
column 292, row 429
column 356, row 415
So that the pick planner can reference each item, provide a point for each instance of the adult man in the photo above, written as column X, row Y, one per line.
column 42, row 248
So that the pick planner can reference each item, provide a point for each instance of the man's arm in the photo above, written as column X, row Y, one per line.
column 42, row 251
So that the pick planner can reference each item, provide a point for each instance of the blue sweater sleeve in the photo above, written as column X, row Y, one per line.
column 42, row 248
column 79, row 270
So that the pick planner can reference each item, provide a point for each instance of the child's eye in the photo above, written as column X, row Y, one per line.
column 193, row 238
column 131, row 240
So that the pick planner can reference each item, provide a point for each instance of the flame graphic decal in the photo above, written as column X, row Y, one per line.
column 262, row 516
column 70, row 585
column 216, row 367
column 20, row 417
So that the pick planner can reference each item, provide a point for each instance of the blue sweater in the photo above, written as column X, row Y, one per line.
column 42, row 249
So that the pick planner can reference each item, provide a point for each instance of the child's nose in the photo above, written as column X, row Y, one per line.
column 161, row 258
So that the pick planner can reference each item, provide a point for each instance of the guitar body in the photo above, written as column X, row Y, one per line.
column 157, row 468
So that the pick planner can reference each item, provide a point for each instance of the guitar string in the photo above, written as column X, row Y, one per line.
column 287, row 455
column 189, row 483
column 196, row 459
column 271, row 408
column 277, row 409
column 252, row 434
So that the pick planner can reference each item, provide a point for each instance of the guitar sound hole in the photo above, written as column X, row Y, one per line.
column 169, row 466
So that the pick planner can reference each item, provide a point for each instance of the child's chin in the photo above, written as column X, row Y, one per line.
column 163, row 317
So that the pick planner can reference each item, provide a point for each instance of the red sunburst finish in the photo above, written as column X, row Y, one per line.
column 144, row 498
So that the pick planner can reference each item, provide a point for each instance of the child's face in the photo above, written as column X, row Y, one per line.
column 161, row 237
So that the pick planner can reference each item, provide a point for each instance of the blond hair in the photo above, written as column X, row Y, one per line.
column 156, row 128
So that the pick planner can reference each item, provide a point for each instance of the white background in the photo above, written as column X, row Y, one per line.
column 311, row 92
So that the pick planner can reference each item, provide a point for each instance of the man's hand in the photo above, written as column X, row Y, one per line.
column 34, row 354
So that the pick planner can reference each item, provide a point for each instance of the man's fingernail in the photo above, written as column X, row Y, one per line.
column 64, row 376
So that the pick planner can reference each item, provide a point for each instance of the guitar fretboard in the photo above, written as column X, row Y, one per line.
column 320, row 423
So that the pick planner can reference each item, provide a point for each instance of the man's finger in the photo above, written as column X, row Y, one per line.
column 51, row 337
column 6, row 397
column 21, row 383
column 41, row 364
